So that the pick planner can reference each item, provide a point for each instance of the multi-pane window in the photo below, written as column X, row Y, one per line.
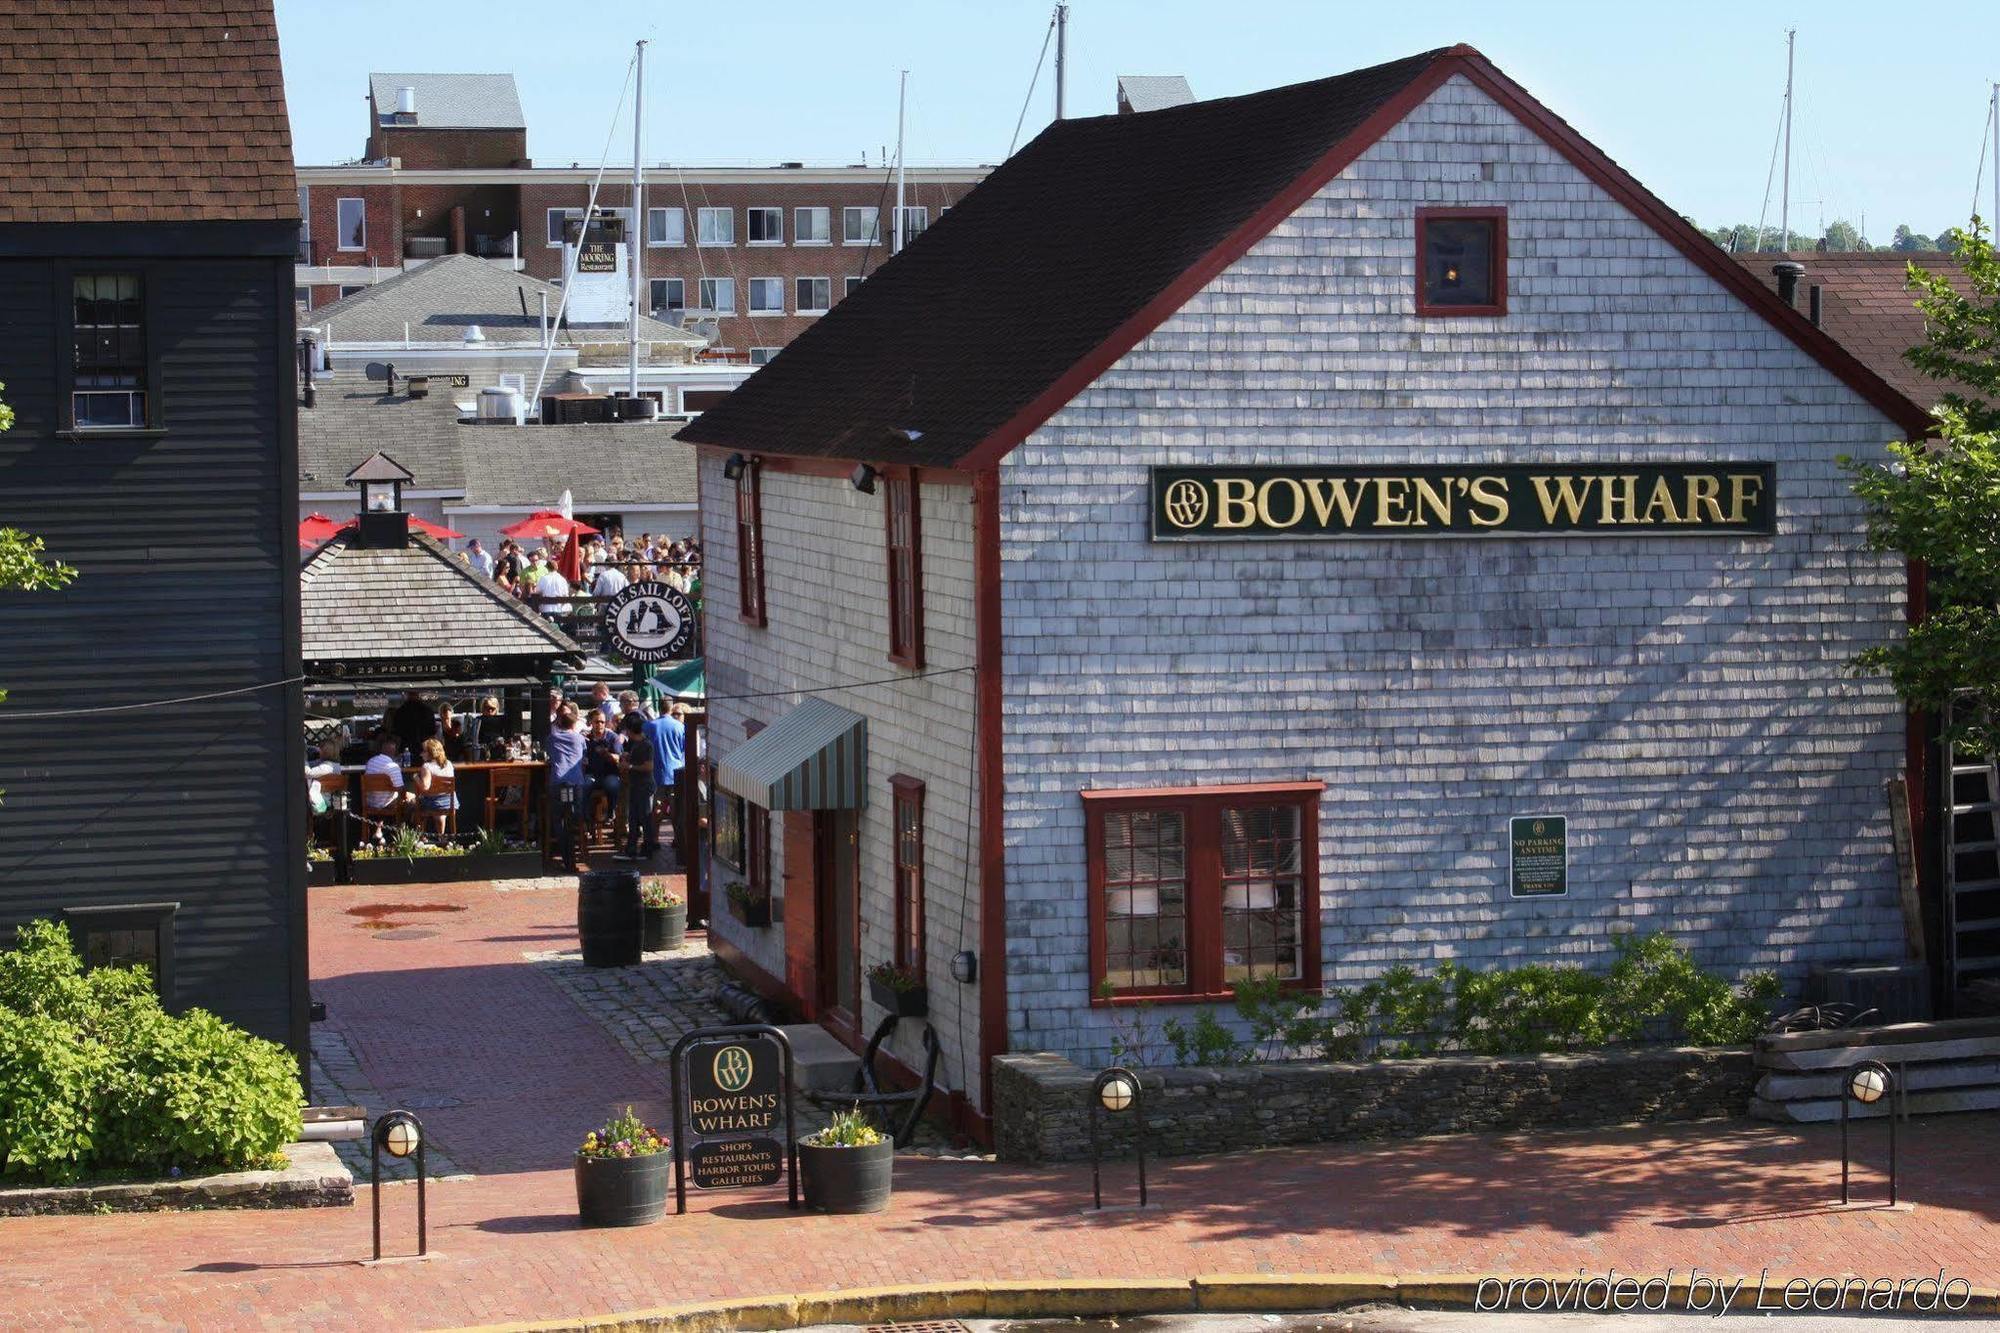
column 715, row 226
column 907, row 825
column 727, row 839
column 849, row 283
column 860, row 226
column 108, row 331
column 669, row 295
column 757, row 849
column 914, row 222
column 761, row 356
column 766, row 226
column 815, row 296
column 351, row 223
column 1461, row 261
column 767, row 296
column 718, row 295
column 812, row 226
column 666, row 226
column 749, row 546
column 1194, row 890
column 557, row 219
column 135, row 935
column 903, row 539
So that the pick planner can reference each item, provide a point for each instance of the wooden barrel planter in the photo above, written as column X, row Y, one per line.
column 608, row 917
column 622, row 1191
column 664, row 928
column 847, row 1180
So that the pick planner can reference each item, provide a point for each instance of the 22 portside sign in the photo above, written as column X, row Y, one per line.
column 1471, row 500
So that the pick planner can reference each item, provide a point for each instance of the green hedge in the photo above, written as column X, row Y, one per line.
column 97, row 1079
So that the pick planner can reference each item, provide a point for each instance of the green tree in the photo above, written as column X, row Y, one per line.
column 1842, row 235
column 24, row 562
column 1911, row 241
column 1938, row 501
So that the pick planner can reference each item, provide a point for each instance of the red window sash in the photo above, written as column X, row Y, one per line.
column 750, row 545
column 757, row 849
column 907, row 798
column 903, row 543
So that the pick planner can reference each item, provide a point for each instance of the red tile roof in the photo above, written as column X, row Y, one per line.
column 1867, row 305
column 143, row 111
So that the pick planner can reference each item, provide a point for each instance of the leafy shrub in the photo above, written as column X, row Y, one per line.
column 96, row 1077
column 1206, row 1042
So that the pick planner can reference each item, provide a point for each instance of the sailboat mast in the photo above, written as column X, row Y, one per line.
column 1993, row 222
column 635, row 230
column 1785, row 192
column 1062, row 56
column 902, row 91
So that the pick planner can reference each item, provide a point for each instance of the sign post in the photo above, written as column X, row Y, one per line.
column 731, row 1086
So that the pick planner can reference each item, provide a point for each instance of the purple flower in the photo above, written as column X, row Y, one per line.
column 173, row 1173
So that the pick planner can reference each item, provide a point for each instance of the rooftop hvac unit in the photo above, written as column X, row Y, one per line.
column 406, row 101
column 501, row 404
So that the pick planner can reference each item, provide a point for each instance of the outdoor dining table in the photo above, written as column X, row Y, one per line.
column 471, row 794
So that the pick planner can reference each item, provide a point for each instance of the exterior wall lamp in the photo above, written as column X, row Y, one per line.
column 965, row 967
column 863, row 479
column 732, row 467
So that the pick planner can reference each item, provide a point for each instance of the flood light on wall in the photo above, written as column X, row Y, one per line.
column 863, row 479
column 732, row 467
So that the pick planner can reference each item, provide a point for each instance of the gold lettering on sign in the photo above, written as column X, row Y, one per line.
column 1346, row 492
column 1264, row 514
column 1701, row 494
column 1235, row 505
column 1383, row 504
column 1617, row 494
column 1744, row 488
column 1570, row 498
column 1663, row 499
column 1490, row 492
column 1436, row 498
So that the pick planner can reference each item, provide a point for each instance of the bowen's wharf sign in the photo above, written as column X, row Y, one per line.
column 732, row 1112
column 1474, row 500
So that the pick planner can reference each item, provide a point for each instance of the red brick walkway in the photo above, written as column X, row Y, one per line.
column 1730, row 1198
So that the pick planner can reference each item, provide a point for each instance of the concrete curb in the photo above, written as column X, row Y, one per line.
column 1219, row 1293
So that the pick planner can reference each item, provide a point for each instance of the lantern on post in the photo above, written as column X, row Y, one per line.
column 1116, row 1092
column 399, row 1134
column 1868, row 1082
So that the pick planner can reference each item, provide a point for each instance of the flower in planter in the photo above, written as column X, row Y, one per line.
column 623, row 1136
column 848, row 1129
column 739, row 893
column 897, row 978
column 659, row 893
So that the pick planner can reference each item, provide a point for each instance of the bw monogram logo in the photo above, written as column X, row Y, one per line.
column 1541, row 827
column 732, row 1069
column 1186, row 504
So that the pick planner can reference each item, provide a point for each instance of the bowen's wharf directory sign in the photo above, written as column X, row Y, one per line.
column 1464, row 500
column 732, row 1109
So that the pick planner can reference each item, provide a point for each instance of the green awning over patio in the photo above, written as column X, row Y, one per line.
column 813, row 758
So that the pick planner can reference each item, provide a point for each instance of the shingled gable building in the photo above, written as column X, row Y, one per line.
column 1373, row 529
column 148, row 221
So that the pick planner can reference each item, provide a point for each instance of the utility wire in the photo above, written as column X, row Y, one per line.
column 6, row 716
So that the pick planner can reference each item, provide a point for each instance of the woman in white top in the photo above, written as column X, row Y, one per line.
column 437, row 786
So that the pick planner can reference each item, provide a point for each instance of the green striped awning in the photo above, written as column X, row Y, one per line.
column 813, row 758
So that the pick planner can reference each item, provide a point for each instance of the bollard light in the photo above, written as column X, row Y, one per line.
column 402, row 1138
column 1118, row 1092
column 399, row 1134
column 1866, row 1083
column 1115, row 1092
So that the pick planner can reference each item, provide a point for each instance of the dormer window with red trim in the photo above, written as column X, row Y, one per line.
column 1461, row 261
column 904, row 538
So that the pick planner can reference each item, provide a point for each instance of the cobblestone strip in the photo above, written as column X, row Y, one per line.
column 337, row 1080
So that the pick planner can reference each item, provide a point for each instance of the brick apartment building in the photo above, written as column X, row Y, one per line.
column 752, row 254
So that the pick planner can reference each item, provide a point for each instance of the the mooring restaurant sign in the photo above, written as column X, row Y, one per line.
column 1475, row 500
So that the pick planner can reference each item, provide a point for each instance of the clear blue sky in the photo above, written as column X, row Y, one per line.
column 1888, row 121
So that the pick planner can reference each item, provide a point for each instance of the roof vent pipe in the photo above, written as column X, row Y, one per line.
column 1812, row 304
column 406, row 101
column 1789, row 272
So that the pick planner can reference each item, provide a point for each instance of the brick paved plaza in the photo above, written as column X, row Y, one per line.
column 510, row 1069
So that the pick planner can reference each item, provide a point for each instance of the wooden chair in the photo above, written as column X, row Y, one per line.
column 509, row 792
column 374, row 817
column 447, row 821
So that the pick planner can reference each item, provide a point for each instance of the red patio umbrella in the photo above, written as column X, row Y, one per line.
column 569, row 563
column 547, row 525
column 315, row 528
column 431, row 529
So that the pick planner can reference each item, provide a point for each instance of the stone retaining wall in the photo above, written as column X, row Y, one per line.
column 312, row 1178
column 1039, row 1101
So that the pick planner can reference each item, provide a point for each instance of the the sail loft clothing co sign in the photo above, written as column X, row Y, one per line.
column 1472, row 500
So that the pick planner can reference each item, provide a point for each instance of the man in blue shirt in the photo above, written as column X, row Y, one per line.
column 669, row 738
column 567, row 780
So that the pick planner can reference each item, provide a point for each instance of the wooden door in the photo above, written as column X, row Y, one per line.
column 800, row 903
column 838, row 909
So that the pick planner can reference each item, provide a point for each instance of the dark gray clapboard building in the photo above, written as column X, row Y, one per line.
column 148, row 226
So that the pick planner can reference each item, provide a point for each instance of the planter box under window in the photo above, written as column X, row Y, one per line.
column 913, row 1003
column 755, row 915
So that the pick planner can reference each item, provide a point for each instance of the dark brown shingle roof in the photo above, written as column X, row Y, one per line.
column 1868, row 307
column 143, row 111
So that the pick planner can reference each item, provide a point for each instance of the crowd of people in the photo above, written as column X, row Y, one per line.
column 610, row 566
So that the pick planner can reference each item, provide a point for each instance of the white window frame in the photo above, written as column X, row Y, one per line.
column 849, row 283
column 681, row 213
column 652, row 283
column 860, row 209
column 712, row 288
column 779, row 284
column 340, row 227
column 302, row 294
column 825, row 237
column 348, row 289
column 799, row 302
column 556, row 231
column 748, row 239
column 702, row 217
column 923, row 220
column 765, row 359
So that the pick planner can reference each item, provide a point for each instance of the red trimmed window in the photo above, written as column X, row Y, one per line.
column 907, row 823
column 1461, row 261
column 1193, row 889
column 903, row 532
column 750, row 544
column 757, row 849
